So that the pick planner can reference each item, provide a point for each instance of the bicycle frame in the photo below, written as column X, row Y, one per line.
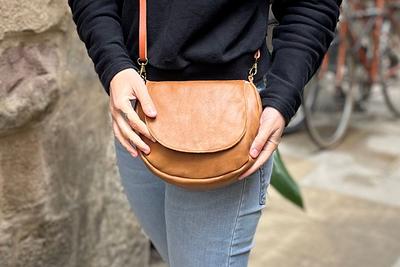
column 372, row 19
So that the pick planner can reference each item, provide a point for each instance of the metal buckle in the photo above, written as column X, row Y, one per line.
column 253, row 69
column 142, row 71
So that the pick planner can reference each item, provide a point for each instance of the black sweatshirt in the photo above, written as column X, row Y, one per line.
column 212, row 39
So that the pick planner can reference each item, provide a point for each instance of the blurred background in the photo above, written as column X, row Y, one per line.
column 337, row 202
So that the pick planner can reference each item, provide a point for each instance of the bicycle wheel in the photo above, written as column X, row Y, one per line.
column 327, row 102
column 389, row 70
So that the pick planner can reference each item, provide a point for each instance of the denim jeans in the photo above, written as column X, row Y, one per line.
column 212, row 228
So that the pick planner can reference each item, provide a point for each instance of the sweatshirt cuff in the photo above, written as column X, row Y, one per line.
column 281, row 95
column 112, row 70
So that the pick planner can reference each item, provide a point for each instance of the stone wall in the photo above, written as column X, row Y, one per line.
column 61, row 203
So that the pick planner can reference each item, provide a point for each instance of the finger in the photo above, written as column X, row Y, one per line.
column 111, row 104
column 262, row 158
column 134, row 121
column 125, row 143
column 128, row 133
column 260, row 139
column 146, row 103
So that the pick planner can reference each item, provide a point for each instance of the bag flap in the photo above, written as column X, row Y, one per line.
column 198, row 116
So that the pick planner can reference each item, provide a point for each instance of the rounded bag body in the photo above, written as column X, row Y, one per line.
column 203, row 131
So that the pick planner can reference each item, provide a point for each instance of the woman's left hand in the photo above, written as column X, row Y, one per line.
column 272, row 124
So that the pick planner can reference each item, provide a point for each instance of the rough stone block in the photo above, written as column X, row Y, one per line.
column 28, row 85
column 33, row 15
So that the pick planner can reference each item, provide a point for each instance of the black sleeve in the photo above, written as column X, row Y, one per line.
column 98, row 25
column 306, row 29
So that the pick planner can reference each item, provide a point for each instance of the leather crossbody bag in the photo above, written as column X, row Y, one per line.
column 203, row 128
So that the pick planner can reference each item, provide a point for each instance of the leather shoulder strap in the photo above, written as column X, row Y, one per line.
column 142, row 31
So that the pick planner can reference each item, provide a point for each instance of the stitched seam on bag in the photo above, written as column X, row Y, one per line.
column 218, row 149
column 184, row 177
column 236, row 221
column 259, row 102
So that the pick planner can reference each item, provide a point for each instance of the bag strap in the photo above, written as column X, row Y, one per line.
column 142, row 32
column 143, row 60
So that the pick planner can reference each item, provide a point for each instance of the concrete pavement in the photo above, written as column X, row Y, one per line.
column 352, row 197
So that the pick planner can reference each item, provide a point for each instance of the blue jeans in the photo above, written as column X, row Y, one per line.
column 212, row 228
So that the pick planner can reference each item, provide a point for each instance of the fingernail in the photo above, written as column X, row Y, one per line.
column 152, row 112
column 254, row 152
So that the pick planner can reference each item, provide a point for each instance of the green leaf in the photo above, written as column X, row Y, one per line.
column 283, row 182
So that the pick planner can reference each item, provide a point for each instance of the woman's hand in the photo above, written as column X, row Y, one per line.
column 272, row 124
column 127, row 85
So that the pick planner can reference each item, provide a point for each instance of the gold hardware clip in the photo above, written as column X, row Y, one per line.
column 253, row 69
column 142, row 71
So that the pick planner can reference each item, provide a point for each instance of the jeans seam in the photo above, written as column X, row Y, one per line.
column 262, row 185
column 236, row 221
column 267, row 182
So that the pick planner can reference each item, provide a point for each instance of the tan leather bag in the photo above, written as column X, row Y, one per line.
column 203, row 128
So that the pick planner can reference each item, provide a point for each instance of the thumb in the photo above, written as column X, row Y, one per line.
column 145, row 100
column 260, row 139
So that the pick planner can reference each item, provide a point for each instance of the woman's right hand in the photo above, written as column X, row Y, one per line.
column 127, row 85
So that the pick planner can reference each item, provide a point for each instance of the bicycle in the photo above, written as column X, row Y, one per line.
column 363, row 53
